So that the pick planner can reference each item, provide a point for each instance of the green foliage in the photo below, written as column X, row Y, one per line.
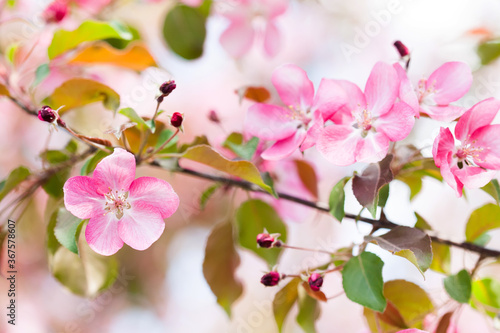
column 65, row 229
column 236, row 144
column 252, row 218
column 481, row 220
column 184, row 31
column 88, row 31
column 362, row 281
column 489, row 51
column 284, row 300
column 309, row 311
column 207, row 194
column 41, row 74
column 221, row 261
column 134, row 117
column 493, row 189
column 459, row 286
column 16, row 177
column 337, row 199
column 78, row 92
column 441, row 258
column 410, row 243
column 486, row 296
column 92, row 162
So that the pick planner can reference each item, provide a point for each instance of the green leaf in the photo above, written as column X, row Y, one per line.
column 204, row 154
column 309, row 311
column 489, row 51
column 459, row 286
column 64, row 40
column 16, row 177
column 134, row 117
column 383, row 195
column 409, row 306
column 493, row 189
column 171, row 147
column 252, row 218
column 71, row 147
column 269, row 181
column 441, row 258
column 54, row 185
column 307, row 176
column 92, row 162
column 184, row 31
column 121, row 44
column 482, row 240
column 481, row 220
column 362, row 281
column 284, row 300
column 245, row 150
column 86, row 274
column 41, row 74
column 422, row 223
column 367, row 185
column 207, row 194
column 220, row 263
column 65, row 229
column 337, row 199
column 486, row 295
column 78, row 92
column 198, row 140
column 54, row 156
column 413, row 182
column 410, row 243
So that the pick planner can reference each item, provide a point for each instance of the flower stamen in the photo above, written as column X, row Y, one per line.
column 116, row 202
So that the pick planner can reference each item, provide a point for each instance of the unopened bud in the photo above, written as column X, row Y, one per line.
column 270, row 279
column 47, row 114
column 265, row 240
column 402, row 49
column 176, row 119
column 167, row 87
column 315, row 281
column 55, row 12
column 213, row 117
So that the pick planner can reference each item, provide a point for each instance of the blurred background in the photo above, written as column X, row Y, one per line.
column 163, row 289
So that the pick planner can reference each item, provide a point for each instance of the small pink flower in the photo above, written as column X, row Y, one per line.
column 362, row 129
column 470, row 163
column 120, row 208
column 249, row 18
column 446, row 84
column 300, row 123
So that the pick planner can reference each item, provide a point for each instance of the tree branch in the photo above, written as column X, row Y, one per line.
column 382, row 223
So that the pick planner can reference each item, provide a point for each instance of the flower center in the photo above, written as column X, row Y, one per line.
column 298, row 114
column 425, row 94
column 116, row 202
column 364, row 121
column 469, row 154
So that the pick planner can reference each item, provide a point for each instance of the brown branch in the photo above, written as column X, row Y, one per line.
column 382, row 223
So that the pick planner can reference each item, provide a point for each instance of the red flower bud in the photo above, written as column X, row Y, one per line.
column 167, row 87
column 402, row 49
column 315, row 281
column 176, row 119
column 47, row 114
column 270, row 279
column 265, row 240
column 55, row 12
column 213, row 117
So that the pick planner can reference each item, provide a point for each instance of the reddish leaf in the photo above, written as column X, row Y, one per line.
column 444, row 323
column 319, row 295
column 376, row 175
column 308, row 177
column 392, row 316
column 256, row 94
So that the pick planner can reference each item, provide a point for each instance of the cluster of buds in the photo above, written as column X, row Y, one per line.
column 47, row 114
column 166, row 88
column 268, row 241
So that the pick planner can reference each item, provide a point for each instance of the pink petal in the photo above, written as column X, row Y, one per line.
column 412, row 330
column 270, row 122
column 444, row 144
column 372, row 148
column 448, row 173
column 314, row 131
column 381, row 89
column 293, row 86
column 474, row 177
column 338, row 144
column 141, row 226
column 155, row 192
column 238, row 38
column 102, row 234
column 274, row 7
column 397, row 123
column 355, row 103
column 116, row 171
column 83, row 198
column 451, row 81
column 442, row 113
column 272, row 40
column 481, row 114
column 488, row 139
column 284, row 148
column 406, row 92
column 329, row 98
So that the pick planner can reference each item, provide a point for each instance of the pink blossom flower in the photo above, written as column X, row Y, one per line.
column 412, row 330
column 446, row 84
column 249, row 18
column 472, row 162
column 300, row 123
column 120, row 208
column 362, row 129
